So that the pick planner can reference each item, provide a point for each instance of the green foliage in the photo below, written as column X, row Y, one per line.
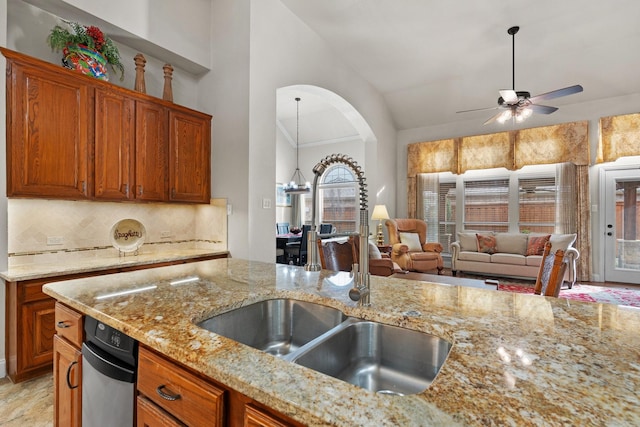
column 60, row 37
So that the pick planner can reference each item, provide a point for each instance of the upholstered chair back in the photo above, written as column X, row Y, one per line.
column 406, row 225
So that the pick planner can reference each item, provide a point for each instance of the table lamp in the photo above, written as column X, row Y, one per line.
column 380, row 213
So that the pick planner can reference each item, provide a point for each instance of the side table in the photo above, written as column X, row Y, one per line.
column 385, row 249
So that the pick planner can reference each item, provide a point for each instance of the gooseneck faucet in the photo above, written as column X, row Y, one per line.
column 361, row 289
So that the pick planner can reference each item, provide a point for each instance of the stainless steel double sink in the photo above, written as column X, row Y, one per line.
column 377, row 357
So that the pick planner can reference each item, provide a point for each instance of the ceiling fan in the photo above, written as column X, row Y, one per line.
column 519, row 105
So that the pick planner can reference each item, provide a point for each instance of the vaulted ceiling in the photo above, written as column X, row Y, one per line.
column 430, row 59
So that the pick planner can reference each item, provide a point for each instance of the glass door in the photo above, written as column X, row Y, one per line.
column 622, row 226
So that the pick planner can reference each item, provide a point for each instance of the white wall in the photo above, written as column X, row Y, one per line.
column 285, row 52
column 3, row 184
column 258, row 47
column 591, row 111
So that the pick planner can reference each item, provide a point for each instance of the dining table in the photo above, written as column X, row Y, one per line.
column 281, row 243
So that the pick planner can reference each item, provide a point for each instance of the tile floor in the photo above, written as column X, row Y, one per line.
column 29, row 403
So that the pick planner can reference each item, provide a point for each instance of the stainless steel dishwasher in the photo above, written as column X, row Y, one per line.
column 108, row 376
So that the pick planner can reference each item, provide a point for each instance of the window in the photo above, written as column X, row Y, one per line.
column 338, row 200
column 537, row 204
column 486, row 204
column 437, row 206
column 446, row 214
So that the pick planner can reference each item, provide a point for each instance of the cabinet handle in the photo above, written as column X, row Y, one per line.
column 167, row 396
column 69, row 376
column 126, row 190
column 139, row 190
column 62, row 325
column 84, row 186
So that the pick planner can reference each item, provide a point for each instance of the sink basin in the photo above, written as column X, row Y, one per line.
column 380, row 358
column 377, row 357
column 278, row 326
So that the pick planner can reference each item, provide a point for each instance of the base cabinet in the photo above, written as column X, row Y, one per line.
column 67, row 368
column 30, row 321
column 150, row 415
column 173, row 395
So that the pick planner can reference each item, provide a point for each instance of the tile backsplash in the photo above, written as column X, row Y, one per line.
column 51, row 226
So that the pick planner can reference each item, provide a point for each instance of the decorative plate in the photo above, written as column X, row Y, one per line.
column 128, row 235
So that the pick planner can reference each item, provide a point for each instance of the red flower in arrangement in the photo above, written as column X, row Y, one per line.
column 97, row 36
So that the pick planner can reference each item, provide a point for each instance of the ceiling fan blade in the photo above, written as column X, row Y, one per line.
column 477, row 109
column 493, row 118
column 542, row 109
column 557, row 93
column 510, row 96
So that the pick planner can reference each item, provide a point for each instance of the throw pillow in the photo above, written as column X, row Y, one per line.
column 468, row 241
column 412, row 240
column 374, row 252
column 535, row 245
column 486, row 244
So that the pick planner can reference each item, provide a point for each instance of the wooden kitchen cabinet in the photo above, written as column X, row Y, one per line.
column 172, row 394
column 114, row 145
column 71, row 136
column 151, row 152
column 49, row 130
column 189, row 156
column 150, row 415
column 30, row 320
column 178, row 392
column 131, row 148
column 67, row 367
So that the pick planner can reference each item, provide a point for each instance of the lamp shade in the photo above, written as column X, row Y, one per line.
column 380, row 212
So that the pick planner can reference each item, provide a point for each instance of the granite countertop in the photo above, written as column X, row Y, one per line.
column 516, row 359
column 102, row 261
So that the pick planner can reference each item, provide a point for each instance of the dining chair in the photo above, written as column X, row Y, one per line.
column 282, row 227
column 325, row 228
column 551, row 272
column 297, row 251
column 336, row 255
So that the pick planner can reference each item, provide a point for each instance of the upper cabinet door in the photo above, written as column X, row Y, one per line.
column 151, row 152
column 50, row 121
column 114, row 142
column 189, row 158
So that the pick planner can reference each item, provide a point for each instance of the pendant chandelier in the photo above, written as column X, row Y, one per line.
column 298, row 183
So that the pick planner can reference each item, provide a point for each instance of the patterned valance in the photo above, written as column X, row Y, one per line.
column 619, row 137
column 567, row 142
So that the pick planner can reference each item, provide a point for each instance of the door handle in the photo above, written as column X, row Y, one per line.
column 609, row 234
column 69, row 376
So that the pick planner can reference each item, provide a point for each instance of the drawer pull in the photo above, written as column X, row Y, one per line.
column 61, row 324
column 69, row 376
column 167, row 396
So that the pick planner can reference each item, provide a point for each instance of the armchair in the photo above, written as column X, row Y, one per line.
column 409, row 246
column 379, row 264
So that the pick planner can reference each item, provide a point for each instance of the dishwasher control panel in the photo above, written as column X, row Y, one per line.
column 110, row 340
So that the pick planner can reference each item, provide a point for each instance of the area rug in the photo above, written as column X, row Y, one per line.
column 586, row 293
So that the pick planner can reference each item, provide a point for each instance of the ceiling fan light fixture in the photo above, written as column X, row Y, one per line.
column 523, row 115
column 298, row 183
column 504, row 116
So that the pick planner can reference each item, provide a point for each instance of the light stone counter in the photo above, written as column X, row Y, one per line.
column 71, row 263
column 516, row 359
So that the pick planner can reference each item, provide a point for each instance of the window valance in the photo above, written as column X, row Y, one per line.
column 619, row 137
column 567, row 142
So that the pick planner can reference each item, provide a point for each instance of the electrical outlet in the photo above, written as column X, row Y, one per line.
column 55, row 240
column 165, row 234
column 229, row 209
column 266, row 203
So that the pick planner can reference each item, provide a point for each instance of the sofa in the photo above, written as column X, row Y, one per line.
column 510, row 254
